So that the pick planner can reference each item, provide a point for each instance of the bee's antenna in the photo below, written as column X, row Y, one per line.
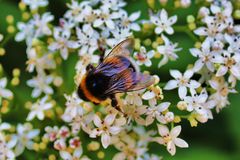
column 102, row 50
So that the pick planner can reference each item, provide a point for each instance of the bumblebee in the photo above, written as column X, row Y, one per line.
column 116, row 73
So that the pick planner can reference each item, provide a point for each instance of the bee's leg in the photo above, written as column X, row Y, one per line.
column 115, row 104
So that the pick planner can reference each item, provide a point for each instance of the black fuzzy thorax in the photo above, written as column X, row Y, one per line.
column 97, row 84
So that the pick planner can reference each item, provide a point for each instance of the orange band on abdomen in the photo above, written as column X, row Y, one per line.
column 86, row 92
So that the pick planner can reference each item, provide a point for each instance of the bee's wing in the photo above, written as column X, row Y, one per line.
column 118, row 59
column 127, row 81
column 124, row 48
column 113, row 65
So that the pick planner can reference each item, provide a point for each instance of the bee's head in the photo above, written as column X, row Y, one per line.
column 90, row 68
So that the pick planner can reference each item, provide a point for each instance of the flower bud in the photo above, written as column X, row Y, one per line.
column 182, row 105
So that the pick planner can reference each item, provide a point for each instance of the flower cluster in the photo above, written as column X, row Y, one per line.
column 90, row 29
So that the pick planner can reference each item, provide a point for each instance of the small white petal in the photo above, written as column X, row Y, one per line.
column 182, row 92
column 162, row 130
column 221, row 71
column 172, row 20
column 198, row 65
column 110, row 24
column 114, row 130
column 40, row 115
column 97, row 121
column 176, row 74
column 202, row 31
column 148, row 95
column 164, row 15
column 188, row 74
column 163, row 106
column 135, row 27
column 194, row 84
column 109, row 119
column 65, row 155
column 176, row 131
column 158, row 30
column 105, row 139
column 181, row 143
column 98, row 23
column 171, row 148
column 134, row 16
column 169, row 30
column 235, row 70
column 30, row 116
column 172, row 84
column 195, row 52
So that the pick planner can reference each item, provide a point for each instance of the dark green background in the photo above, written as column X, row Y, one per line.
column 218, row 139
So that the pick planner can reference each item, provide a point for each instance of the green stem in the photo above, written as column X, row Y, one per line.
column 186, row 30
column 6, row 40
column 172, row 125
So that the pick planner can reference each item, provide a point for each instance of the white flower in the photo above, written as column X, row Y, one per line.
column 128, row 22
column 40, row 63
column 222, row 13
column 35, row 4
column 104, row 16
column 134, row 98
column 88, row 15
column 168, row 50
column 113, row 4
column 230, row 62
column 156, row 112
column 5, row 93
column 133, row 113
column 105, row 129
column 153, row 95
column 185, row 3
column 41, row 84
column 77, row 153
column 24, row 137
column 162, row 22
column 60, row 144
column 6, row 152
column 64, row 132
column 38, row 108
column 75, row 10
column 41, row 24
column 212, row 31
column 143, row 57
column 62, row 42
column 205, row 57
column 75, row 142
column 82, row 122
column 51, row 133
column 182, row 82
column 129, row 149
column 170, row 138
column 26, row 31
column 200, row 103
column 73, row 109
column 87, row 39
column 119, row 34
column 222, row 91
column 234, row 43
